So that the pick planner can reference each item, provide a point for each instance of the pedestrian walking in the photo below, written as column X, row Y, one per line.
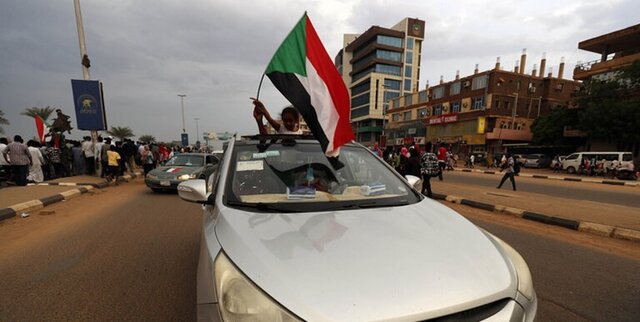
column 509, row 172
column 113, row 161
column 17, row 154
column 147, row 160
column 35, row 170
column 472, row 160
column 442, row 159
column 89, row 156
column 429, row 168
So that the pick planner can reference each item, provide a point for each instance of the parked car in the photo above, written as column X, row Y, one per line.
column 290, row 236
column 537, row 160
column 572, row 163
column 179, row 168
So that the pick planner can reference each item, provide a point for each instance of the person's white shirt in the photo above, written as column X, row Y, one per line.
column 87, row 148
column 36, row 156
column 2, row 160
column 97, row 151
column 283, row 130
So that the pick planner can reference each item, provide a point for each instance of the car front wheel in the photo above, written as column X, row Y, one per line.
column 571, row 170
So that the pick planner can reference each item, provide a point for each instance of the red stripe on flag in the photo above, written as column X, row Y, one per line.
column 319, row 58
column 40, row 127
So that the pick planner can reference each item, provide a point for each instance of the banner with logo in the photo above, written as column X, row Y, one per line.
column 89, row 104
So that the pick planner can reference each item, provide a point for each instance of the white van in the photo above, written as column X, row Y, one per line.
column 572, row 163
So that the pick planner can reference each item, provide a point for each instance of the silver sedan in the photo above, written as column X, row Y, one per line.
column 289, row 236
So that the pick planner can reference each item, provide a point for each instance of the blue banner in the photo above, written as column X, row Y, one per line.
column 185, row 139
column 89, row 104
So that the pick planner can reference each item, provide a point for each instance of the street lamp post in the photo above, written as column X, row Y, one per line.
column 197, row 129
column 182, row 96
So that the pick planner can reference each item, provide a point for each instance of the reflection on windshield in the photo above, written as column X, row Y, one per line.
column 302, row 173
column 186, row 160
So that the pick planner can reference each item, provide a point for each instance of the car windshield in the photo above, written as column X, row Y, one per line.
column 299, row 177
column 186, row 161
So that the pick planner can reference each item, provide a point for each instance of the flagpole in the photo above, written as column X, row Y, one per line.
column 259, row 86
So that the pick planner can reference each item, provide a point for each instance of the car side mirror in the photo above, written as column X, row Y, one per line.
column 414, row 182
column 193, row 190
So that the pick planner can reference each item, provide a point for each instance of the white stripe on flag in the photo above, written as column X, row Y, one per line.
column 322, row 103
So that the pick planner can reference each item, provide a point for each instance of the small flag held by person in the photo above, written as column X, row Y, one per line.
column 303, row 72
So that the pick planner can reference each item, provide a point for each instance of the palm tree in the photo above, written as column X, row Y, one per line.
column 147, row 138
column 121, row 132
column 3, row 121
column 44, row 112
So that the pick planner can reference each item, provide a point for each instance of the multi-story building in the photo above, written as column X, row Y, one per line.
column 480, row 112
column 617, row 50
column 377, row 65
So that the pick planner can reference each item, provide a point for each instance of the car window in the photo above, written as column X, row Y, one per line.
column 186, row 160
column 301, row 173
column 627, row 157
column 212, row 159
column 572, row 157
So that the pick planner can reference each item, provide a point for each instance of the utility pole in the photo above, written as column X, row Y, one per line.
column 182, row 96
column 197, row 129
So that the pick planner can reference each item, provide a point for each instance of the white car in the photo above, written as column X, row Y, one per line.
column 290, row 236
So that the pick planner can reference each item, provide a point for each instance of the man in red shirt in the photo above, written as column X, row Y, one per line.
column 442, row 159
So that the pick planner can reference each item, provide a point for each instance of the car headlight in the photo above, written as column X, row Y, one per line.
column 151, row 176
column 186, row 176
column 241, row 300
column 525, row 282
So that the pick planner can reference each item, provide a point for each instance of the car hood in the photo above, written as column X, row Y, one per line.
column 399, row 263
column 172, row 172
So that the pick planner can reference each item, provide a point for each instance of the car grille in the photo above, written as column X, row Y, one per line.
column 165, row 175
column 475, row 314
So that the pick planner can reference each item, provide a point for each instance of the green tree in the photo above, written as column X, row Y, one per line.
column 3, row 121
column 44, row 112
column 121, row 132
column 147, row 138
column 610, row 109
column 549, row 129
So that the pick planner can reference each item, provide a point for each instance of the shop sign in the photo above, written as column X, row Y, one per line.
column 443, row 119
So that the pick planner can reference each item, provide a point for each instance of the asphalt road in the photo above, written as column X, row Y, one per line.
column 624, row 196
column 126, row 254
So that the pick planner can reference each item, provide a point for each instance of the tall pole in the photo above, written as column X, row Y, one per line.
column 197, row 129
column 515, row 108
column 182, row 96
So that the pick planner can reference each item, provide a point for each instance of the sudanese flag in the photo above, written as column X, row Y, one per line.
column 40, row 127
column 303, row 72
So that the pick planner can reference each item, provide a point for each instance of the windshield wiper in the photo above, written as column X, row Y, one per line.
column 261, row 206
column 375, row 204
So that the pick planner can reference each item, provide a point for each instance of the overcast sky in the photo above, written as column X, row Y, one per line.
column 215, row 51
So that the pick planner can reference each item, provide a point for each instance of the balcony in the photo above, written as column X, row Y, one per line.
column 588, row 69
column 570, row 132
column 377, row 129
column 509, row 134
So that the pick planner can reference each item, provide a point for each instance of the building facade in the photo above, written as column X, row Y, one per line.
column 617, row 50
column 376, row 66
column 481, row 112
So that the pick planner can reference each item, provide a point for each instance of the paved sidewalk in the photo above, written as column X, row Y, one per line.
column 15, row 200
column 549, row 174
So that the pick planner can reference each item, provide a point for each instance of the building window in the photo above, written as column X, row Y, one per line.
column 422, row 96
column 407, row 71
column 360, row 100
column 390, row 95
column 407, row 115
column 477, row 103
column 389, row 55
column 506, row 105
column 392, row 84
column 437, row 109
column 408, row 100
column 390, row 41
column 422, row 112
column 497, row 104
column 361, row 74
column 360, row 88
column 438, row 92
column 388, row 69
column 408, row 57
column 361, row 111
column 479, row 82
column 407, row 85
column 396, row 117
column 409, row 43
column 455, row 107
column 455, row 88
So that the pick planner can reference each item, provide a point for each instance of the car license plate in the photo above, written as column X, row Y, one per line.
column 165, row 183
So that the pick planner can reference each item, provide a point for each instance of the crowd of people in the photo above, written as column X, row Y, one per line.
column 57, row 157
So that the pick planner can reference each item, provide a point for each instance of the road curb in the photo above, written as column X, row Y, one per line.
column 581, row 226
column 553, row 177
column 82, row 188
